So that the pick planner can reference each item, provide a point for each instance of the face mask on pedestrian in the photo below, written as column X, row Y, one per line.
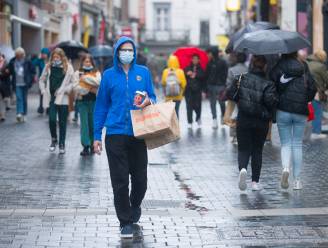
column 57, row 63
column 126, row 56
column 88, row 68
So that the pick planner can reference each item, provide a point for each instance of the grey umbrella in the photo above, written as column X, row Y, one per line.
column 250, row 27
column 271, row 42
column 101, row 51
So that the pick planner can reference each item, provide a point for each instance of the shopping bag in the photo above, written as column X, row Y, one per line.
column 157, row 124
column 311, row 112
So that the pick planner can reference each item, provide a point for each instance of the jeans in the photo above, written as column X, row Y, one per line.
column 193, row 103
column 316, row 123
column 62, row 111
column 291, row 131
column 21, row 100
column 214, row 91
column 250, row 145
column 127, row 156
column 86, row 109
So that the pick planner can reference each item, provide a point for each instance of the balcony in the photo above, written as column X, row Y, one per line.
column 168, row 37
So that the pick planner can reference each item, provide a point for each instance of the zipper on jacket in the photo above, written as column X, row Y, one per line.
column 127, row 103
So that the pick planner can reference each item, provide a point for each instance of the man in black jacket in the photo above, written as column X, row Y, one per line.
column 216, row 75
column 195, row 75
column 22, row 72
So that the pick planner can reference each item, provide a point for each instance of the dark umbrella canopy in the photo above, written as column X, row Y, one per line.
column 251, row 27
column 72, row 48
column 101, row 51
column 7, row 51
column 271, row 42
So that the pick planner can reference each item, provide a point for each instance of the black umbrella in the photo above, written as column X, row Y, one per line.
column 72, row 48
column 7, row 51
column 271, row 42
column 251, row 27
column 101, row 51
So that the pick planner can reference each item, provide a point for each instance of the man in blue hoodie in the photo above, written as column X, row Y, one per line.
column 126, row 154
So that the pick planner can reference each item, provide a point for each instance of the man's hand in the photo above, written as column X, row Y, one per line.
column 145, row 103
column 97, row 147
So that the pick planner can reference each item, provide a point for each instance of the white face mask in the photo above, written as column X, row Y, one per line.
column 126, row 57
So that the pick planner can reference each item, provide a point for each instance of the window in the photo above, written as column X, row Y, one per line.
column 162, row 16
column 204, row 33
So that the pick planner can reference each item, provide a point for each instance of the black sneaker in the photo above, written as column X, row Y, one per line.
column 136, row 214
column 85, row 151
column 52, row 146
column 61, row 148
column 40, row 110
column 127, row 232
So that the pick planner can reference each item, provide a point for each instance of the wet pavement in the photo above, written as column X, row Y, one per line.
column 49, row 200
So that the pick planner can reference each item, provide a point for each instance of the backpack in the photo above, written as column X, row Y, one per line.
column 172, row 87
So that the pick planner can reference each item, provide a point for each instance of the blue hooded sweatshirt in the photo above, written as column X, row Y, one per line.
column 116, row 93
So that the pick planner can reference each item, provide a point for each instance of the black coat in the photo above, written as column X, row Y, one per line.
column 195, row 84
column 295, row 85
column 29, row 72
column 216, row 72
column 256, row 96
column 5, row 81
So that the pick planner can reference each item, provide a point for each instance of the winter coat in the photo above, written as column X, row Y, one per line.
column 173, row 64
column 195, row 84
column 216, row 72
column 255, row 96
column 234, row 71
column 5, row 81
column 320, row 74
column 295, row 85
column 115, row 98
column 29, row 72
column 82, row 88
column 62, row 94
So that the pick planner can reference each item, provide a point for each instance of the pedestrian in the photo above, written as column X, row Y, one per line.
column 216, row 76
column 296, row 89
column 4, row 87
column 238, row 67
column 126, row 154
column 318, row 69
column 22, row 71
column 56, row 83
column 40, row 64
column 195, row 85
column 256, row 98
column 87, row 82
column 174, row 82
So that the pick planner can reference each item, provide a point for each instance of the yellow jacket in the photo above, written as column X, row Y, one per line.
column 173, row 63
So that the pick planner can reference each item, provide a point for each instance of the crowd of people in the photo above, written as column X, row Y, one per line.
column 252, row 91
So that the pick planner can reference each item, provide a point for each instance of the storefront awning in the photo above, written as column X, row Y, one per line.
column 25, row 22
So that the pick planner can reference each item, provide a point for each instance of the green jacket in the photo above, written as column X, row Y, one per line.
column 320, row 73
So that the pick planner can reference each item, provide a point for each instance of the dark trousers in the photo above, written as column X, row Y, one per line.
column 177, row 106
column 250, row 145
column 127, row 156
column 62, row 111
column 193, row 103
column 214, row 91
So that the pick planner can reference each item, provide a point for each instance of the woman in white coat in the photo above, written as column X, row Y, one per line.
column 56, row 83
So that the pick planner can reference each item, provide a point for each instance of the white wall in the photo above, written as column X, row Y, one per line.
column 288, row 15
column 187, row 14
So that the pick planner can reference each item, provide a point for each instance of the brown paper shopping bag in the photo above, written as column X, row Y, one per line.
column 157, row 124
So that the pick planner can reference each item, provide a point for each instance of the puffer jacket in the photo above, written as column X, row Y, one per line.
column 295, row 85
column 256, row 96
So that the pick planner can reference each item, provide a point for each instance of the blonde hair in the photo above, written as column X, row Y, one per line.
column 321, row 55
column 62, row 56
column 20, row 50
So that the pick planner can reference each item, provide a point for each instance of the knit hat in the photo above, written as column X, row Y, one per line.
column 45, row 50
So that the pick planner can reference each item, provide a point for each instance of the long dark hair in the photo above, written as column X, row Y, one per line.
column 87, row 56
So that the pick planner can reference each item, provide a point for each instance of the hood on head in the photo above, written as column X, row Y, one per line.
column 118, row 44
column 173, row 62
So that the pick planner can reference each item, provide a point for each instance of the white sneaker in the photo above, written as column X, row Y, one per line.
column 199, row 123
column 215, row 124
column 234, row 141
column 19, row 117
column 189, row 126
column 297, row 184
column 284, row 178
column 242, row 179
column 318, row 136
column 256, row 186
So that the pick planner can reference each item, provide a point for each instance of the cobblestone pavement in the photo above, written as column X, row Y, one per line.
column 47, row 200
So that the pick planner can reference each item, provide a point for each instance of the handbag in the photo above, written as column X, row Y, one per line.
column 311, row 115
